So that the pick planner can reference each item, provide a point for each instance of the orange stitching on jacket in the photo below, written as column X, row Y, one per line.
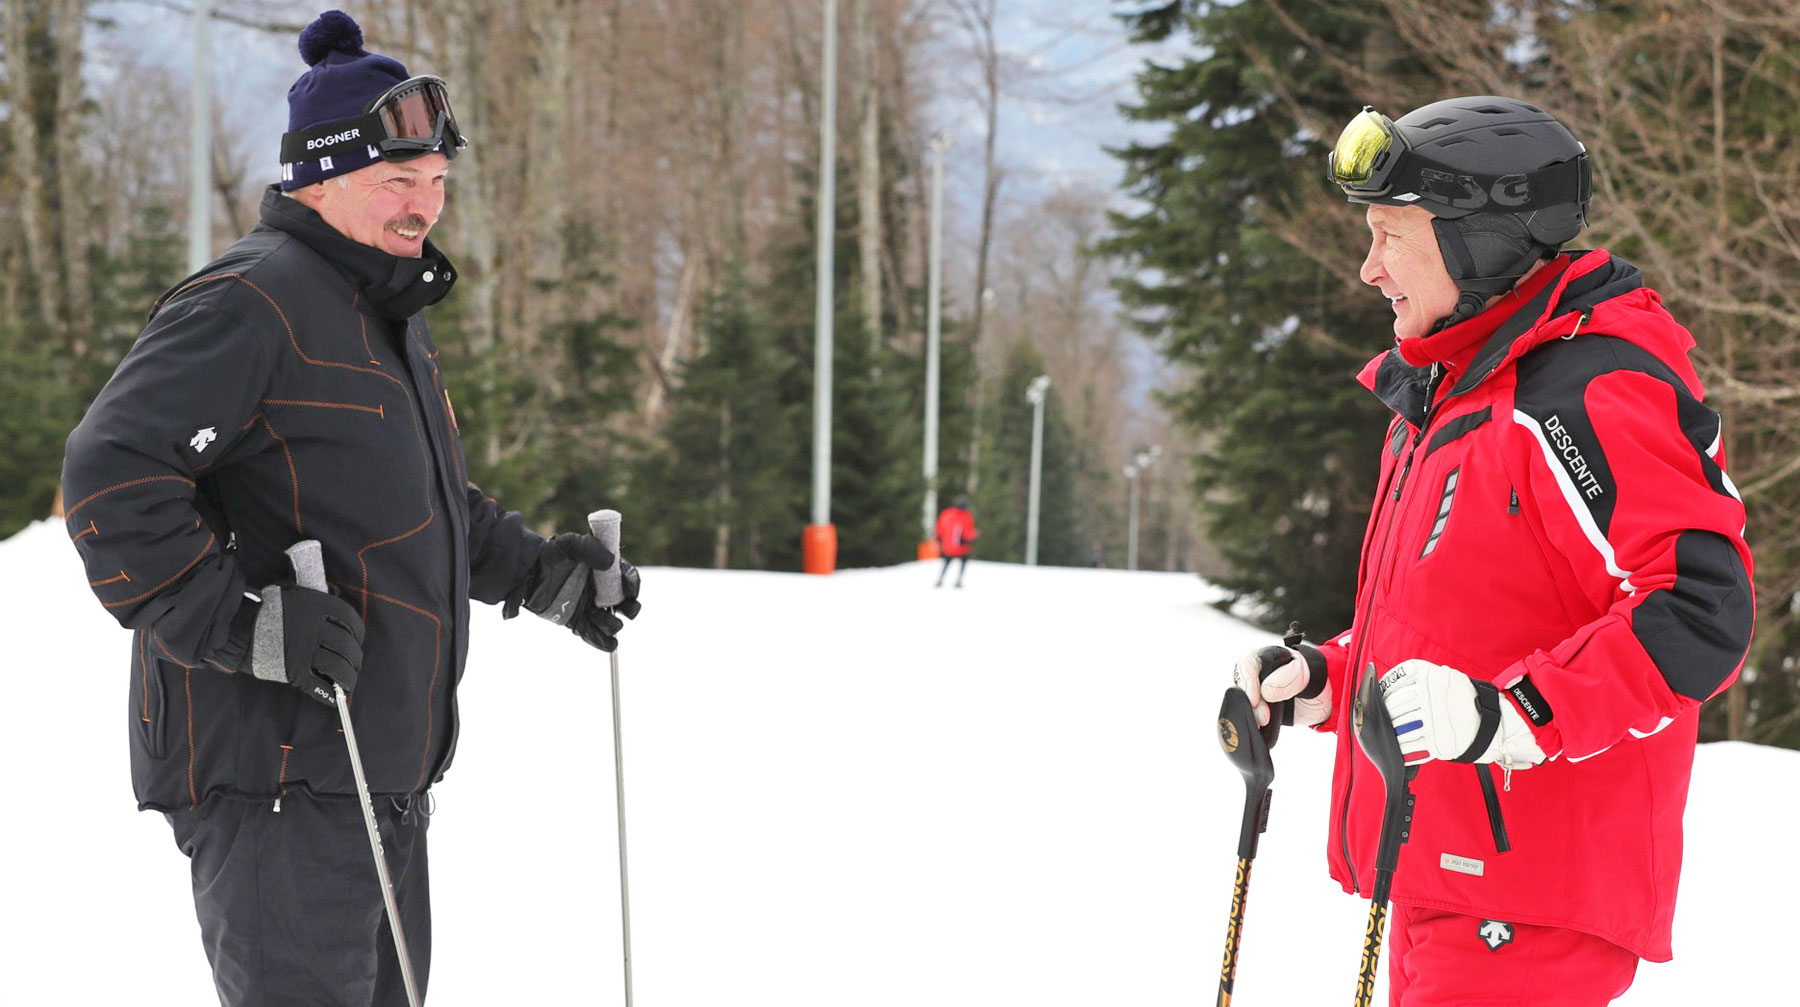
column 160, row 645
column 91, row 530
column 210, row 539
column 144, row 663
column 437, row 659
column 293, row 474
column 135, row 482
column 376, row 545
column 187, row 683
column 323, row 405
column 182, row 290
column 281, row 781
column 428, row 463
column 188, row 686
column 110, row 580
column 228, row 671
column 363, row 321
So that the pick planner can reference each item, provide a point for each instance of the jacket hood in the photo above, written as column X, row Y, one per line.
column 396, row 287
column 1598, row 293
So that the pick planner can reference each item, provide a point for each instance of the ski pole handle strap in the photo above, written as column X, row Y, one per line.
column 609, row 587
column 309, row 564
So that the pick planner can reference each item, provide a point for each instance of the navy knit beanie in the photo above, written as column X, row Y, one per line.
column 343, row 80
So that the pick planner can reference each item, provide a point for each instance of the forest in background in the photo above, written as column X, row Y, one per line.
column 634, row 227
column 634, row 231
column 1243, row 259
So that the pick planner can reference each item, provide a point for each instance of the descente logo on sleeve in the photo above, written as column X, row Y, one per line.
column 1564, row 444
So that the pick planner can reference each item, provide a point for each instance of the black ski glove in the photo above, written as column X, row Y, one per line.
column 307, row 639
column 560, row 587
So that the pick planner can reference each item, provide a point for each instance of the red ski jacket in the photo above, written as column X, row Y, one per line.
column 955, row 531
column 1553, row 515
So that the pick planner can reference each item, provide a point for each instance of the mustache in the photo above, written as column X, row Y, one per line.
column 412, row 222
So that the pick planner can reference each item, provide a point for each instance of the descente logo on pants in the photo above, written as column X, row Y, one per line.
column 1564, row 443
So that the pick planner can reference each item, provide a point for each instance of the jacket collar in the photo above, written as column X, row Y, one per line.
column 397, row 288
column 1591, row 277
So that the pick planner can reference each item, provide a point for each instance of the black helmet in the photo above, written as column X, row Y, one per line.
column 1506, row 183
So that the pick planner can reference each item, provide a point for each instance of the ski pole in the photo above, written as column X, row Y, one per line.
column 1247, row 746
column 609, row 590
column 309, row 572
column 1375, row 736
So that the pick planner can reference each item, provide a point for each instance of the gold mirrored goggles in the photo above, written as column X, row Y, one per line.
column 1364, row 155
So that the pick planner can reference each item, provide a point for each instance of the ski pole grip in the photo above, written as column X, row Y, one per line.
column 309, row 564
column 609, row 587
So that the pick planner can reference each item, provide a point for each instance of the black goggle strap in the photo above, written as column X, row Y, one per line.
column 333, row 138
column 1553, row 185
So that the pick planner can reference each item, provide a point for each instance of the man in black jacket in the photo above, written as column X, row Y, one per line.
column 290, row 391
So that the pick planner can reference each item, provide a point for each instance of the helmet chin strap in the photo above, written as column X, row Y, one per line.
column 1504, row 252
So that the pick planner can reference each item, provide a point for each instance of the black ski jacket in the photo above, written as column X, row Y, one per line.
column 287, row 391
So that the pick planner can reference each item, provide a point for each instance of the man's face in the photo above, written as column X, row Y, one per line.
column 390, row 205
column 1405, row 262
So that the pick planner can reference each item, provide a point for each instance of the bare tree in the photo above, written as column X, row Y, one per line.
column 28, row 168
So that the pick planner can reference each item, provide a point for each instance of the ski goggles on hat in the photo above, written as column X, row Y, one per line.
column 409, row 120
column 1366, row 153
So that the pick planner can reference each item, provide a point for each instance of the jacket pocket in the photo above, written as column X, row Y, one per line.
column 1485, row 771
column 150, row 709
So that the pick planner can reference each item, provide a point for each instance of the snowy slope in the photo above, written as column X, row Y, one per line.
column 852, row 790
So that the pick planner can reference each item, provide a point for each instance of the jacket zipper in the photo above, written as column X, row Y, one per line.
column 1485, row 772
column 1373, row 573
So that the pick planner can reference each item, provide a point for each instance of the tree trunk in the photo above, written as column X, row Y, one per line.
column 28, row 164
column 71, row 174
column 868, row 191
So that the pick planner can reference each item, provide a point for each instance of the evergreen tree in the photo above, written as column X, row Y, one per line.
column 1003, row 502
column 723, row 489
column 1269, row 335
column 554, row 403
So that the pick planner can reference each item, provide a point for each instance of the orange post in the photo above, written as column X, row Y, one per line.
column 928, row 550
column 818, row 548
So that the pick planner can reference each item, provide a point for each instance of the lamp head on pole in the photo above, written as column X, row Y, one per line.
column 1040, row 386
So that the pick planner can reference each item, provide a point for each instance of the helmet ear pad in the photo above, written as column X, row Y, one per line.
column 1485, row 253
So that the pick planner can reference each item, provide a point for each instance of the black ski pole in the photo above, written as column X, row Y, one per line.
column 609, row 590
column 309, row 572
column 1247, row 746
column 1375, row 735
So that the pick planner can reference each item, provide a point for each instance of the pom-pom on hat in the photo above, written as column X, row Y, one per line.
column 343, row 80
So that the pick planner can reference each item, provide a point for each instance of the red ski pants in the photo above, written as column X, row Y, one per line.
column 1439, row 959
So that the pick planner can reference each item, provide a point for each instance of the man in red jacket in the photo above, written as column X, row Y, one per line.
column 956, row 536
column 1554, row 576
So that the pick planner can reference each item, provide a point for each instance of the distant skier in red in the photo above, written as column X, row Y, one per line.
column 955, row 535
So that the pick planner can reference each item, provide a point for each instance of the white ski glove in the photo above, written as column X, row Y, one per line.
column 1276, row 674
column 1441, row 713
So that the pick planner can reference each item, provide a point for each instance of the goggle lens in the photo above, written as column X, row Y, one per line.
column 1361, row 149
column 413, row 114
column 417, row 119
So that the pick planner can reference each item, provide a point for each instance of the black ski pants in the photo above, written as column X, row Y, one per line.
column 960, row 570
column 289, row 903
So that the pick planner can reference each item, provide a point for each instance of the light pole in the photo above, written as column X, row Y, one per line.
column 200, row 143
column 1139, row 462
column 1035, row 395
column 940, row 142
column 819, row 547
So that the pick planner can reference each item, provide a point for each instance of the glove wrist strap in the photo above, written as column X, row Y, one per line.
column 1487, row 705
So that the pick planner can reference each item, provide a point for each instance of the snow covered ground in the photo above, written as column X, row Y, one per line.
column 852, row 790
